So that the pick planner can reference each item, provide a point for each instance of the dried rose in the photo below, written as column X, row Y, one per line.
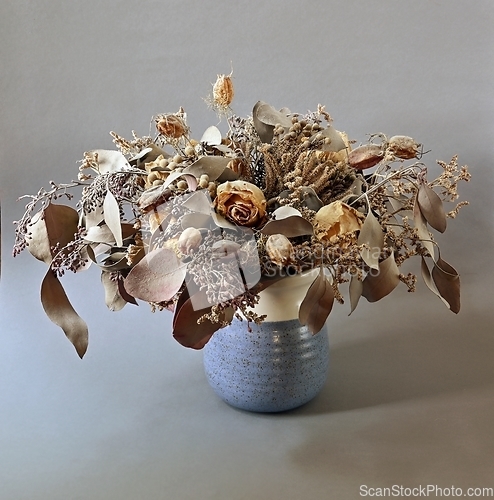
column 336, row 219
column 279, row 249
column 240, row 202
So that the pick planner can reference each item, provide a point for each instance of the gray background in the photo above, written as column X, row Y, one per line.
column 410, row 398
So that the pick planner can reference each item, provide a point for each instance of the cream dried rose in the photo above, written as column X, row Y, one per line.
column 336, row 219
column 240, row 202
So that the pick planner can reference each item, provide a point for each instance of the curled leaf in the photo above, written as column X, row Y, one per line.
column 211, row 136
column 191, row 180
column 431, row 207
column 110, row 161
column 336, row 140
column 187, row 331
column 317, row 304
column 447, row 281
column 265, row 117
column 58, row 308
column 378, row 284
column 426, row 275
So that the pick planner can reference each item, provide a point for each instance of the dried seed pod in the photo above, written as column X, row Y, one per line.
column 365, row 156
column 279, row 249
column 403, row 147
column 189, row 240
column 171, row 126
column 223, row 91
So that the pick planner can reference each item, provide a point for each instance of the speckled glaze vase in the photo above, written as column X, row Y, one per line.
column 278, row 365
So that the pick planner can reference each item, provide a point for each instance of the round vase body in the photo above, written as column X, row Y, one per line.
column 276, row 366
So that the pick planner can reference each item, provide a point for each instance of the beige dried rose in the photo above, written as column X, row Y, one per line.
column 240, row 202
column 279, row 249
column 336, row 219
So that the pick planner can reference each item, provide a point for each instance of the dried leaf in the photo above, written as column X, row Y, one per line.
column 337, row 143
column 270, row 116
column 110, row 161
column 157, row 277
column 199, row 202
column 289, row 226
column 285, row 211
column 58, row 308
column 317, row 304
column 111, row 213
column 355, row 291
column 426, row 275
column 187, row 332
column 211, row 136
column 447, row 280
column 377, row 285
column 421, row 225
column 107, row 264
column 113, row 300
column 123, row 292
column 215, row 167
column 366, row 156
column 372, row 235
column 56, row 225
column 431, row 207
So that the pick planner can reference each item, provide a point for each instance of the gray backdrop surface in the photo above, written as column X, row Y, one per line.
column 410, row 397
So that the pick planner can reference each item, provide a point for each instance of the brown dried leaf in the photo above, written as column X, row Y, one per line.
column 421, row 225
column 355, row 291
column 291, row 227
column 55, row 225
column 426, row 275
column 431, row 207
column 187, row 332
column 157, row 277
column 366, row 156
column 447, row 280
column 58, row 308
column 113, row 300
column 317, row 304
column 378, row 285
column 372, row 235
column 111, row 213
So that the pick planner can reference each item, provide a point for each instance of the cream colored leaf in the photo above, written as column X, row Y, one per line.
column 191, row 180
column 58, row 308
column 213, row 166
column 110, row 161
column 211, row 136
column 290, row 227
column 111, row 213
column 337, row 143
column 113, row 300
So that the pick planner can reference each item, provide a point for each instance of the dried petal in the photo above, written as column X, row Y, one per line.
column 336, row 219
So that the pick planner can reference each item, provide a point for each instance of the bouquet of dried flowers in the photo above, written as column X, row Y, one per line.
column 201, row 227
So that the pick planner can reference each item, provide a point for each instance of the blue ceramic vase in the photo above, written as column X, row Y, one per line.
column 276, row 366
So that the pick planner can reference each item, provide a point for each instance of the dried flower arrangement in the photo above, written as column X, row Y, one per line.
column 201, row 227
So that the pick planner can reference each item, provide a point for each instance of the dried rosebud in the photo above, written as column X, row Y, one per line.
column 279, row 249
column 171, row 125
column 223, row 91
column 189, row 240
column 240, row 202
column 365, row 156
column 336, row 219
column 403, row 147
